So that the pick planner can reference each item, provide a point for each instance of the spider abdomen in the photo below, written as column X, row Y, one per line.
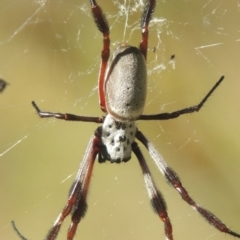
column 126, row 84
column 117, row 138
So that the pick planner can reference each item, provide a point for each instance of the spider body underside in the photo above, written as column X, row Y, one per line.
column 122, row 94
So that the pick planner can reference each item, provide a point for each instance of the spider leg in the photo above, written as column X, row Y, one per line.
column 173, row 179
column 155, row 196
column 17, row 231
column 66, row 116
column 76, row 203
column 146, row 17
column 103, row 27
column 196, row 108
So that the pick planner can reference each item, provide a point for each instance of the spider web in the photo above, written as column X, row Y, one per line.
column 50, row 53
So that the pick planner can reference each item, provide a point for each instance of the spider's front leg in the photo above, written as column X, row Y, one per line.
column 157, row 201
column 174, row 180
column 76, row 203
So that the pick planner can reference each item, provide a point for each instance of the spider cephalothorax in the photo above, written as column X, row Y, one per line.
column 117, row 138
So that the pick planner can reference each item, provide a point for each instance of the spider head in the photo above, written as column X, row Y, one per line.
column 117, row 138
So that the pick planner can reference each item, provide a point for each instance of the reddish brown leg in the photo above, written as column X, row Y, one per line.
column 102, row 25
column 173, row 179
column 146, row 17
column 76, row 203
column 155, row 196
column 67, row 116
column 195, row 108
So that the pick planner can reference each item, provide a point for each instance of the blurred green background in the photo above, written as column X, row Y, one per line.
column 50, row 53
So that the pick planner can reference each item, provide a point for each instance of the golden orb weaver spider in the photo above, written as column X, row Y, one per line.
column 122, row 87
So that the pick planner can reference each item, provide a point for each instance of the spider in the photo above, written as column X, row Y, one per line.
column 122, row 88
